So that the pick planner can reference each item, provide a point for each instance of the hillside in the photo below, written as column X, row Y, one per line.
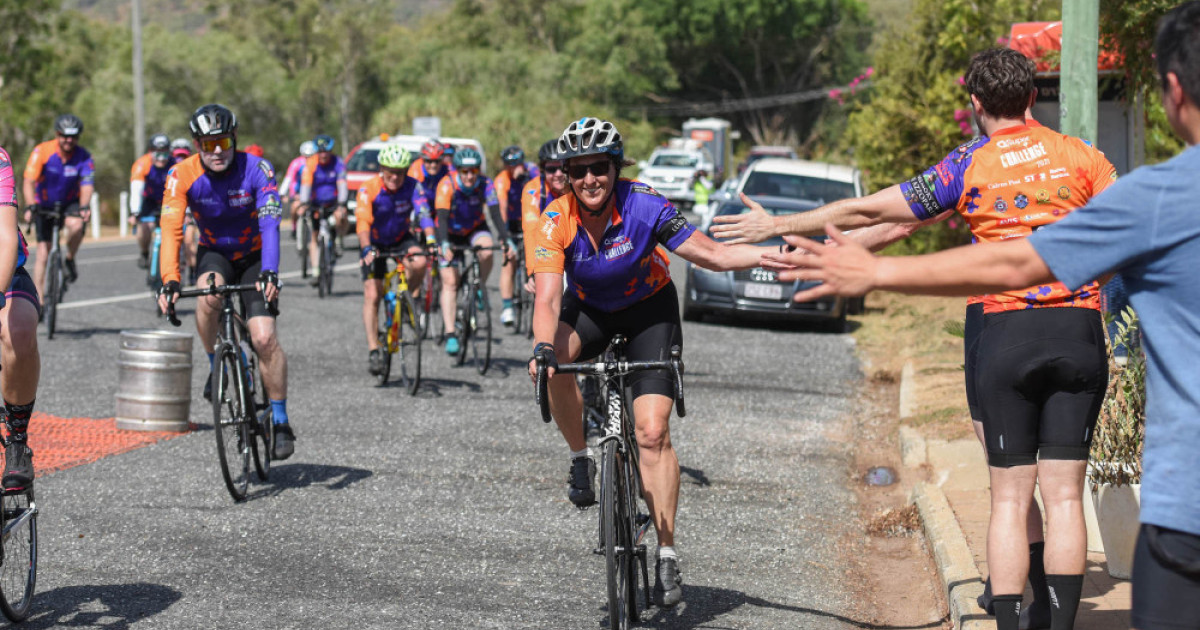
column 191, row 16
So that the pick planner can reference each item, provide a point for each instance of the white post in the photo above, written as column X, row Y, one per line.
column 124, row 214
column 95, row 203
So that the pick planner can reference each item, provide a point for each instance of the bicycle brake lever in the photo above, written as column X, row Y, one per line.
column 171, row 315
column 677, row 371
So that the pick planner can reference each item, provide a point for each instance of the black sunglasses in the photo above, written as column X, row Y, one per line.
column 579, row 171
column 550, row 170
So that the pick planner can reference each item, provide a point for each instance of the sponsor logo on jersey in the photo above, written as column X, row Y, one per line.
column 1064, row 192
column 1021, row 201
column 1009, row 143
column 1021, row 156
column 266, row 169
column 1000, row 205
column 617, row 246
column 542, row 253
column 943, row 173
column 1059, row 173
column 240, row 198
column 1042, row 196
column 1009, row 221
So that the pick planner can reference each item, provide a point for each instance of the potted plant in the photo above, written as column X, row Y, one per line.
column 1115, row 468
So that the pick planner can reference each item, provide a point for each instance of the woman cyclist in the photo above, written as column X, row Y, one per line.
column 604, row 234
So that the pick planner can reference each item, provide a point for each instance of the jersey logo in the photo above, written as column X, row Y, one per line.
column 1021, row 200
column 617, row 247
column 1042, row 196
column 1000, row 205
column 265, row 167
column 239, row 198
column 645, row 190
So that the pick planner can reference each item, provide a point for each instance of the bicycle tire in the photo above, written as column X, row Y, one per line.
column 263, row 432
column 385, row 344
column 54, row 278
column 409, row 345
column 302, row 237
column 431, row 297
column 18, row 571
column 327, row 267
column 616, row 534
column 481, row 348
column 229, row 423
column 464, row 314
column 321, row 264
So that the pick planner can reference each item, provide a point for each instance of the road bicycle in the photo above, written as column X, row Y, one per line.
column 400, row 327
column 18, row 553
column 242, row 419
column 429, row 302
column 473, row 314
column 522, row 297
column 624, row 520
column 56, row 272
column 320, row 215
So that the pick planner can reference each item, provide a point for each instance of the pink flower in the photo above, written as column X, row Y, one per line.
column 1001, row 41
column 953, row 223
column 835, row 93
column 870, row 72
column 962, row 80
column 961, row 114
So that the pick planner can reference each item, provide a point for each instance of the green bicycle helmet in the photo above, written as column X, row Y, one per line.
column 467, row 157
column 395, row 156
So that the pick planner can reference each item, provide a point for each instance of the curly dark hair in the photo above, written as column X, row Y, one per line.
column 1002, row 80
column 1177, row 48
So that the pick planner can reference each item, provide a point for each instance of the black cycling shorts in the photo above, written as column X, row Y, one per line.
column 465, row 240
column 972, row 326
column 378, row 269
column 23, row 287
column 150, row 211
column 43, row 222
column 1166, row 580
column 1040, row 377
column 650, row 326
column 243, row 271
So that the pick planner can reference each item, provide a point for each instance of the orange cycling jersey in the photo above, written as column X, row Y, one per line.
column 534, row 200
column 1009, row 185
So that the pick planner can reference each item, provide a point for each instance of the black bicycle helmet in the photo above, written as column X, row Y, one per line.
column 590, row 136
column 160, row 143
column 512, row 155
column 548, row 152
column 68, row 125
column 324, row 143
column 212, row 120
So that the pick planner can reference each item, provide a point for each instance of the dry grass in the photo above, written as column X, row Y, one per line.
column 904, row 521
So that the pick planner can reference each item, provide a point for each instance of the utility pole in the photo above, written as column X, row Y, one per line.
column 1077, row 100
column 139, row 92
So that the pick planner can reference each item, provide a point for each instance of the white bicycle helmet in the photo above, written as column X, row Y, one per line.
column 308, row 148
column 590, row 136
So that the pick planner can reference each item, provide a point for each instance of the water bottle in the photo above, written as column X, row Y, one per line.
column 389, row 300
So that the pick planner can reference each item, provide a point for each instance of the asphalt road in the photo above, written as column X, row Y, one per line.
column 444, row 510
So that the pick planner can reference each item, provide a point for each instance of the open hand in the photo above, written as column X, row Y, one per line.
column 754, row 226
column 842, row 266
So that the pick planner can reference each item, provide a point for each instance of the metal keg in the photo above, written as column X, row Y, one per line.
column 155, row 372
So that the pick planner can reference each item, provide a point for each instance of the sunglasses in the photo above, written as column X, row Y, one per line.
column 468, row 171
column 579, row 171
column 550, row 170
column 208, row 145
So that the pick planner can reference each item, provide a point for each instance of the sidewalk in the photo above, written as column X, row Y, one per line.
column 954, row 507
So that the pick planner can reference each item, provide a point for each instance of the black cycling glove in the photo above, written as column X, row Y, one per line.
column 169, row 288
column 543, row 353
column 268, row 277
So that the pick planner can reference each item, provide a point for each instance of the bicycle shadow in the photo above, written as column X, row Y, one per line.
column 297, row 476
column 695, row 475
column 86, row 333
column 432, row 387
column 503, row 367
column 704, row 605
column 99, row 606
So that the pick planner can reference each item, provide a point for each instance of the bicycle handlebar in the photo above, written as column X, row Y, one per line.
column 610, row 369
column 214, row 289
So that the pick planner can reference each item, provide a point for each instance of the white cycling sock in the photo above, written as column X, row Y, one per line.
column 667, row 552
column 587, row 451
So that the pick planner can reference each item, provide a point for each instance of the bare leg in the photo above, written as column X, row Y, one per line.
column 274, row 361
column 372, row 289
column 1007, row 544
column 659, row 464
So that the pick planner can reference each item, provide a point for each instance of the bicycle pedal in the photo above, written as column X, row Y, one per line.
column 598, row 551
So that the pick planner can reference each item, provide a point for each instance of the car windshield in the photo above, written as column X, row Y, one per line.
column 675, row 159
column 797, row 187
column 364, row 160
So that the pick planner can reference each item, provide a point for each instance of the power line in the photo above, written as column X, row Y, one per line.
column 745, row 104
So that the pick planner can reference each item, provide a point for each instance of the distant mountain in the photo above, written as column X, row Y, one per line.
column 190, row 15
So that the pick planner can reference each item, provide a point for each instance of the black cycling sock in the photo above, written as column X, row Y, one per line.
column 17, row 420
column 1065, row 592
column 1008, row 611
column 985, row 600
column 1037, row 571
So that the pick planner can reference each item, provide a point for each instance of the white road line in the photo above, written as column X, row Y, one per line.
column 103, row 259
column 145, row 295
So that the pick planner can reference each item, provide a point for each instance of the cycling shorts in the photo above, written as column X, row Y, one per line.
column 43, row 222
column 514, row 227
column 1040, row 377
column 972, row 326
column 244, row 271
column 650, row 326
column 149, row 212
column 23, row 287
column 378, row 269
column 464, row 240
column 1166, row 580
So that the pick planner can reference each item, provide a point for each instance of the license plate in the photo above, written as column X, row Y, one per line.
column 764, row 291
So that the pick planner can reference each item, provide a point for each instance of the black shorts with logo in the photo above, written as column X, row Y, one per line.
column 1040, row 376
column 651, row 327
column 243, row 271
column 43, row 223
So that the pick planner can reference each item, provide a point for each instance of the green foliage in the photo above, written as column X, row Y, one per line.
column 1120, row 431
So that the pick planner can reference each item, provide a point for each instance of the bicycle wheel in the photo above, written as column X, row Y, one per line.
column 54, row 278
column 18, row 569
column 263, row 432
column 385, row 344
column 616, row 532
column 464, row 315
column 302, row 237
column 229, row 422
column 327, row 266
column 409, row 345
column 432, row 325
column 321, row 265
column 481, row 345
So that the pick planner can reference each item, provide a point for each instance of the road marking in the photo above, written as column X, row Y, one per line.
column 145, row 295
column 90, row 261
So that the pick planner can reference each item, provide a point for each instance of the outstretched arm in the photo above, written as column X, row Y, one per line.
column 705, row 252
column 885, row 206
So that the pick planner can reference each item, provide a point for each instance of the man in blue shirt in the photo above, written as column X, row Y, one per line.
column 1144, row 227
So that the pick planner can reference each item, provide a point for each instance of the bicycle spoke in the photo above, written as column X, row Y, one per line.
column 18, row 571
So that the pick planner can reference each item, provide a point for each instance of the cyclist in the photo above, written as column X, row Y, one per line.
column 509, row 183
column 429, row 170
column 461, row 198
column 146, row 180
column 19, row 309
column 181, row 149
column 604, row 234
column 59, row 171
column 448, row 155
column 236, row 207
column 290, row 189
column 322, row 184
column 384, row 219
column 537, row 195
column 1040, row 367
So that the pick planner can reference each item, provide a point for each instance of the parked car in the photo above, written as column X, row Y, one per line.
column 793, row 186
column 761, row 151
column 363, row 161
column 670, row 172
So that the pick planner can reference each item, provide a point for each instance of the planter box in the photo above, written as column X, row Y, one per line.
column 1118, row 509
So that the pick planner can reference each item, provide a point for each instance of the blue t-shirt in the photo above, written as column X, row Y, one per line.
column 1146, row 227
